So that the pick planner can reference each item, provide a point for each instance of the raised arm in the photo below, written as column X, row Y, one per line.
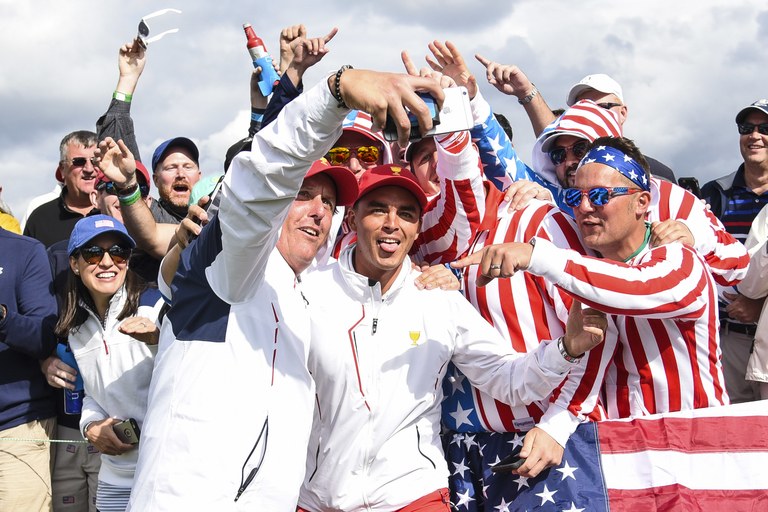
column 116, row 122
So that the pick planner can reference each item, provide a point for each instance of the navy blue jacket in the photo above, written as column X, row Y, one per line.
column 26, row 332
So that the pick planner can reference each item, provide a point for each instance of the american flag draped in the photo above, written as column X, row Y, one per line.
column 708, row 459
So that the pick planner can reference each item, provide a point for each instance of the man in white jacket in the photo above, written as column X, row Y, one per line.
column 231, row 398
column 379, row 353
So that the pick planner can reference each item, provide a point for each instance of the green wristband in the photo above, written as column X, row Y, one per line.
column 130, row 198
column 122, row 96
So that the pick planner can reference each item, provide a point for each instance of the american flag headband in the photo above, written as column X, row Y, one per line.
column 620, row 161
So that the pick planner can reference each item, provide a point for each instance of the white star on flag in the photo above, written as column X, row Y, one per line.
column 461, row 416
column 600, row 148
column 574, row 509
column 503, row 506
column 464, row 499
column 469, row 441
column 457, row 438
column 516, row 441
column 627, row 158
column 546, row 495
column 521, row 482
column 567, row 471
column 457, row 382
column 608, row 157
column 632, row 175
column 460, row 468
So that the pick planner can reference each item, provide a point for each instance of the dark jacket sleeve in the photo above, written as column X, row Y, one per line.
column 28, row 324
column 713, row 195
column 118, row 124
column 284, row 93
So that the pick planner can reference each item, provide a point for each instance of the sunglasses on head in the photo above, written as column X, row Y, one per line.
column 340, row 154
column 94, row 254
column 748, row 128
column 578, row 149
column 608, row 105
column 80, row 161
column 109, row 188
column 598, row 196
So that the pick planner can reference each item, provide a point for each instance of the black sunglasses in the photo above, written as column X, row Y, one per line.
column 748, row 128
column 579, row 149
column 94, row 254
column 79, row 161
column 598, row 196
column 608, row 105
column 109, row 188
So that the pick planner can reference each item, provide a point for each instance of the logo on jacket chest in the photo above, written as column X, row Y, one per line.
column 415, row 336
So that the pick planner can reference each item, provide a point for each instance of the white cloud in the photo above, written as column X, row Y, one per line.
column 686, row 67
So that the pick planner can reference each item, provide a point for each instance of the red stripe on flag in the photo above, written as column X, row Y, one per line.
column 670, row 498
column 689, row 435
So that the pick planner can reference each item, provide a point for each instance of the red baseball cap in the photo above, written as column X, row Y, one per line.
column 391, row 175
column 343, row 178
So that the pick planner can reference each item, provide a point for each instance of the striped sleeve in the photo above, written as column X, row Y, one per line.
column 669, row 282
column 451, row 220
column 726, row 257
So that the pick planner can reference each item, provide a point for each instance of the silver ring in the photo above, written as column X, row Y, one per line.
column 495, row 267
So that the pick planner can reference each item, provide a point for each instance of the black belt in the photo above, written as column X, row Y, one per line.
column 748, row 329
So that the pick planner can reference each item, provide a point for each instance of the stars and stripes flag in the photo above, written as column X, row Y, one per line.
column 708, row 459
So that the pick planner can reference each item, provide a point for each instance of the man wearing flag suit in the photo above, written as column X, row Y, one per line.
column 662, row 349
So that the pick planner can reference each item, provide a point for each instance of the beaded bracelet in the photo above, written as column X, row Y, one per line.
column 337, row 85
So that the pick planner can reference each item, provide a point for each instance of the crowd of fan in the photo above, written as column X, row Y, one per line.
column 240, row 332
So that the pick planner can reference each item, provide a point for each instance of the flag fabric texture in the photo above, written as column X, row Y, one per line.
column 702, row 460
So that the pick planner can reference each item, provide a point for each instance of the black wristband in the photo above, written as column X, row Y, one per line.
column 337, row 85
column 127, row 191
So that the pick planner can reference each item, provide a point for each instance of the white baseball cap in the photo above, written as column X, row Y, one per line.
column 598, row 82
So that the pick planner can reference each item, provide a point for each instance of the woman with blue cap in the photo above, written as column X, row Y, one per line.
column 110, row 317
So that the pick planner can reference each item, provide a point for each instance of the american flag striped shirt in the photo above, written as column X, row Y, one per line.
column 525, row 309
column 662, row 350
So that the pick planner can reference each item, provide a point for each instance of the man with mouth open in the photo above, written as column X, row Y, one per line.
column 175, row 171
column 380, row 349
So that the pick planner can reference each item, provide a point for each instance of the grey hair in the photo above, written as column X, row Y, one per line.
column 83, row 137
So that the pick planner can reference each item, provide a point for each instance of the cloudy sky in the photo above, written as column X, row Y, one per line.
column 686, row 68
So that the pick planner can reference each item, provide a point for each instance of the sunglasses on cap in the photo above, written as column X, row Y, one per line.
column 109, row 188
column 340, row 154
column 598, row 196
column 608, row 105
column 748, row 128
column 80, row 161
column 577, row 149
column 94, row 254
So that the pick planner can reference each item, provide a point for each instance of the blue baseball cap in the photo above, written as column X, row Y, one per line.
column 90, row 227
column 178, row 142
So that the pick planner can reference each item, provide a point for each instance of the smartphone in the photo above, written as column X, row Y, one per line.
column 127, row 431
column 509, row 463
column 691, row 184
column 455, row 116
